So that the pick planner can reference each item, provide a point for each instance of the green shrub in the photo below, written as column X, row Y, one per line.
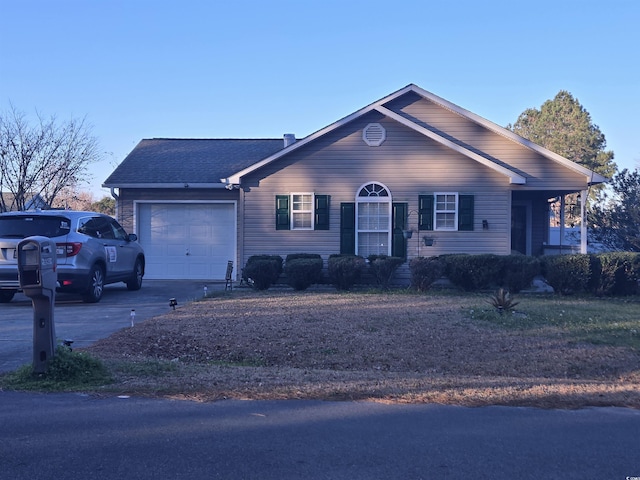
column 567, row 274
column 67, row 371
column 262, row 270
column 617, row 273
column 595, row 267
column 425, row 271
column 474, row 272
column 77, row 367
column 345, row 270
column 303, row 270
column 519, row 272
column 382, row 267
column 296, row 256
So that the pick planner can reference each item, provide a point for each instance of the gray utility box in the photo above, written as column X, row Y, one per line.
column 38, row 279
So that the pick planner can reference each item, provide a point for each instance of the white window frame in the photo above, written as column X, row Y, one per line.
column 445, row 211
column 374, row 199
column 296, row 213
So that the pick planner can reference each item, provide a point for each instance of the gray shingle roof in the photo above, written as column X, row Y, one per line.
column 177, row 160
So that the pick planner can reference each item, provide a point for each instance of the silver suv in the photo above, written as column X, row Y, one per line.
column 92, row 250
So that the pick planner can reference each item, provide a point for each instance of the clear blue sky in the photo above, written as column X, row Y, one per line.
column 258, row 69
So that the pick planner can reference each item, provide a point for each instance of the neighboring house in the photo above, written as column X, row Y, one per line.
column 33, row 202
column 409, row 175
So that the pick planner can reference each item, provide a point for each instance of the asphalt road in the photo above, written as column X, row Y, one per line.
column 78, row 437
column 84, row 323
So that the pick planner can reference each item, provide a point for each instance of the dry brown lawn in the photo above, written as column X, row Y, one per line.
column 358, row 346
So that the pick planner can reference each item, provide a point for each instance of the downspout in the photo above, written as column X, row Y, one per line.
column 116, row 198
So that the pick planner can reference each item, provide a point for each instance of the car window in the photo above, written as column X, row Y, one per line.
column 96, row 227
column 87, row 226
column 29, row 225
column 118, row 231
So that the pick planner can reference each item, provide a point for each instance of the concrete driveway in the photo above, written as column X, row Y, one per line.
column 84, row 323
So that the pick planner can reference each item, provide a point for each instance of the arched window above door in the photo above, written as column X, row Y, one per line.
column 373, row 220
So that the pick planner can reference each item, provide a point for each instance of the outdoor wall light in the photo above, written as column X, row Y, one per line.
column 485, row 225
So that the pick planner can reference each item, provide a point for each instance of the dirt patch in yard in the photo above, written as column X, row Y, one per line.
column 385, row 347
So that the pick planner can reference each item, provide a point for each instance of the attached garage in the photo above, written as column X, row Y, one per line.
column 184, row 240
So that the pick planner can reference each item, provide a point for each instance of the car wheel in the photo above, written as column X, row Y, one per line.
column 135, row 282
column 93, row 294
column 6, row 295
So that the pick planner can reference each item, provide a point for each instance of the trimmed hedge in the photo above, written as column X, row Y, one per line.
column 303, row 270
column 474, row 272
column 344, row 271
column 567, row 274
column 425, row 271
column 382, row 267
column 519, row 272
column 616, row 273
column 263, row 270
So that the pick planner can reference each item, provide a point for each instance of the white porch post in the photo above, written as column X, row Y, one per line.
column 583, row 221
column 562, row 207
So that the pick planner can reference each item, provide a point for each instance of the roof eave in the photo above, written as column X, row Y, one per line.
column 514, row 178
column 235, row 178
column 180, row 185
column 592, row 177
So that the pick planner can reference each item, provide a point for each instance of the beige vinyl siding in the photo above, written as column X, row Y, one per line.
column 407, row 163
column 539, row 171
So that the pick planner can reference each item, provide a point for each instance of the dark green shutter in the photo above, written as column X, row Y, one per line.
column 348, row 228
column 283, row 221
column 321, row 221
column 425, row 212
column 399, row 222
column 465, row 212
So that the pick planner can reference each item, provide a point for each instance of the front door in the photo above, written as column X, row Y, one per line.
column 519, row 229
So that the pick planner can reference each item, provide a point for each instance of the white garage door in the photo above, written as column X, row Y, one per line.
column 187, row 240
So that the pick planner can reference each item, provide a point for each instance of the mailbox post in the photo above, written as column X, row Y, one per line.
column 38, row 277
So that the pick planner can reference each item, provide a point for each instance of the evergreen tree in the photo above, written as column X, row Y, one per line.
column 563, row 126
column 615, row 218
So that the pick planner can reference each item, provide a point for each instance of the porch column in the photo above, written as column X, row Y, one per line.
column 562, row 216
column 583, row 221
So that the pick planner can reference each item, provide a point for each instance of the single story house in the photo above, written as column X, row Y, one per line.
column 409, row 175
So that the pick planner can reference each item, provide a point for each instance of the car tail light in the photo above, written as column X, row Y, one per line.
column 68, row 249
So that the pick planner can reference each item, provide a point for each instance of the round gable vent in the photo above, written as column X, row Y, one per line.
column 374, row 134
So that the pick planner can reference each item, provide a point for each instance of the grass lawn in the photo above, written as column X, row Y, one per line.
column 439, row 346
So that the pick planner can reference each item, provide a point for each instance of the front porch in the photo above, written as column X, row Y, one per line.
column 548, row 223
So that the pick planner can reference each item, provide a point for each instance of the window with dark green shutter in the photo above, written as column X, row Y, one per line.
column 302, row 211
column 465, row 212
column 425, row 212
column 321, row 212
column 398, row 242
column 445, row 211
column 282, row 213
column 348, row 228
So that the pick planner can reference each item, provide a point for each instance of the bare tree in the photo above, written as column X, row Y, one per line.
column 71, row 198
column 42, row 159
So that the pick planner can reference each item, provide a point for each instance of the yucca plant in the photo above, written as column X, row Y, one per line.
column 503, row 301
